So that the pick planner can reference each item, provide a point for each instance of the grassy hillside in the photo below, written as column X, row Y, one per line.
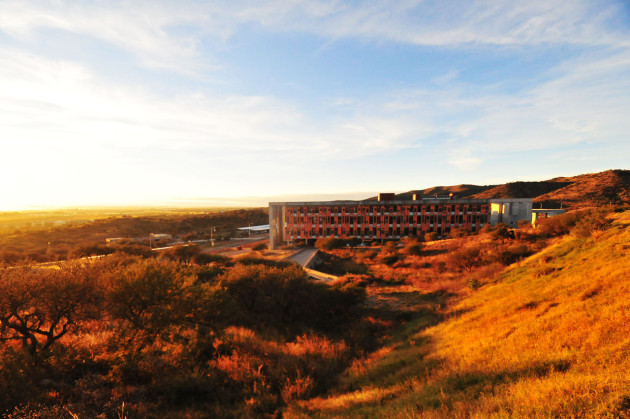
column 609, row 187
column 547, row 337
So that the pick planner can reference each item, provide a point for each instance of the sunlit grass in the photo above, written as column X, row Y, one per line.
column 549, row 337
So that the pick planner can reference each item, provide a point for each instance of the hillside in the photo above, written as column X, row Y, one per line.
column 547, row 337
column 462, row 191
column 593, row 189
column 53, row 243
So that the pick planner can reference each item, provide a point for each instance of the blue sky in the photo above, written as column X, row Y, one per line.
column 190, row 102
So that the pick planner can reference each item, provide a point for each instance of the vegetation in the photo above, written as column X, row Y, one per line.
column 157, row 335
column 546, row 337
column 68, row 235
column 525, row 323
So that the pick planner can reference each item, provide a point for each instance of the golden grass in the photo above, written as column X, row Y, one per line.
column 549, row 338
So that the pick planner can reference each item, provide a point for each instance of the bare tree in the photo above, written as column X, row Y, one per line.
column 38, row 306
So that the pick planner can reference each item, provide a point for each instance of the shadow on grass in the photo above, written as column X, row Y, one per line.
column 470, row 386
column 335, row 265
column 434, row 252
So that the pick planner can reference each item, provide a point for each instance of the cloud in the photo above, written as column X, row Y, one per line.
column 64, row 102
column 170, row 34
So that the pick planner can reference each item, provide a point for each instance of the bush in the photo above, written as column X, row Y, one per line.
column 207, row 258
column 558, row 225
column 431, row 236
column 513, row 254
column 329, row 243
column 413, row 247
column 502, row 232
column 473, row 284
column 459, row 232
column 390, row 247
column 389, row 260
column 283, row 298
column 466, row 258
column 260, row 246
column 591, row 221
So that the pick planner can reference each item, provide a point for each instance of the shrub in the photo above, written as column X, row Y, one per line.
column 283, row 298
column 207, row 258
column 390, row 247
column 149, row 295
column 558, row 225
column 513, row 254
column 431, row 236
column 413, row 248
column 502, row 232
column 466, row 258
column 591, row 221
column 389, row 260
column 329, row 243
column 260, row 246
column 459, row 232
column 473, row 284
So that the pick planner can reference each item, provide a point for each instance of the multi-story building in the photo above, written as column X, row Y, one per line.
column 387, row 218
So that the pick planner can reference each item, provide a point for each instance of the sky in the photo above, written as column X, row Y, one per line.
column 202, row 102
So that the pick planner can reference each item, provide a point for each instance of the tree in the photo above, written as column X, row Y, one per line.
column 466, row 258
column 502, row 232
column 182, row 253
column 149, row 295
column 38, row 306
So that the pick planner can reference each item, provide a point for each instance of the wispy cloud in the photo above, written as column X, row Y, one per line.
column 169, row 34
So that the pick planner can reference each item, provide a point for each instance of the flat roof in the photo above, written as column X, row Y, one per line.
column 261, row 227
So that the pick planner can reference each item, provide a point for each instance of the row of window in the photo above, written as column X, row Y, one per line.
column 295, row 232
column 328, row 211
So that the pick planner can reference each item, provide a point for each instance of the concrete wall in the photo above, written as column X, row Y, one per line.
column 276, row 225
column 510, row 211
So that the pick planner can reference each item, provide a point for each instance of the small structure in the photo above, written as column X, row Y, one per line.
column 259, row 229
column 510, row 211
column 159, row 238
column 540, row 213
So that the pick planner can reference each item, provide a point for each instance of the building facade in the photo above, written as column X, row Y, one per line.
column 385, row 219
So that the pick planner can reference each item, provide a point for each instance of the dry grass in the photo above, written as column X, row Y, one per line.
column 550, row 337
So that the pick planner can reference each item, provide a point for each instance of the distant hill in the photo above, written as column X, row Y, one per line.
column 609, row 187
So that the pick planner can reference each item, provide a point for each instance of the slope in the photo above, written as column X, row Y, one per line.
column 592, row 189
column 547, row 338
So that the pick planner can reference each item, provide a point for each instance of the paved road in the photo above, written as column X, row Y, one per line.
column 303, row 257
